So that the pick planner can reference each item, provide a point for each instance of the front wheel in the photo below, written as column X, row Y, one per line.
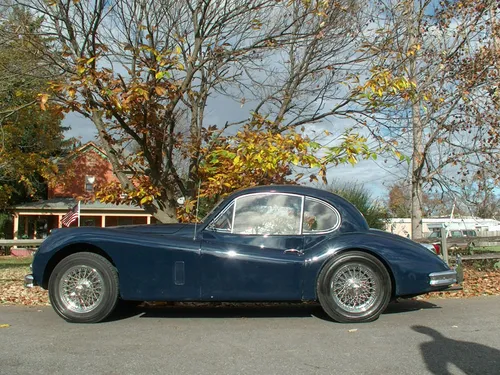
column 83, row 288
column 354, row 287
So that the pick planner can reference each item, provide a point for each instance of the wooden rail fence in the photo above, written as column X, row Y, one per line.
column 463, row 242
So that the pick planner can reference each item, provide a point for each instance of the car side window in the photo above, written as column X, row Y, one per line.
column 319, row 217
column 224, row 222
column 271, row 214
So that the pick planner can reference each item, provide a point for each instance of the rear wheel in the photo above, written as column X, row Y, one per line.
column 354, row 287
column 83, row 288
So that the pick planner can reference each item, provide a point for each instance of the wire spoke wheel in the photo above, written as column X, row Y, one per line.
column 84, row 288
column 355, row 287
column 81, row 288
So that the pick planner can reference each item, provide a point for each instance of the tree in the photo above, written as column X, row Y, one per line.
column 434, row 203
column 144, row 70
column 481, row 197
column 430, row 94
column 374, row 211
column 399, row 201
column 29, row 136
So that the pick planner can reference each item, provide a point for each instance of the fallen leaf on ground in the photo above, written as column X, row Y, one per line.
column 13, row 292
column 476, row 283
column 4, row 326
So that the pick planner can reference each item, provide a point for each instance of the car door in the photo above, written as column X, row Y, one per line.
column 253, row 250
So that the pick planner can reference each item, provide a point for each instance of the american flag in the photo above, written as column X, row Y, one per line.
column 71, row 216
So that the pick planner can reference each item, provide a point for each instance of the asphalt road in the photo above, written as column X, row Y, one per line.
column 412, row 337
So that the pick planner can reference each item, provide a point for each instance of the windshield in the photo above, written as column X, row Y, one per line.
column 219, row 203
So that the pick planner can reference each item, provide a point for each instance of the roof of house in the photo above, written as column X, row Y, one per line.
column 89, row 146
column 61, row 205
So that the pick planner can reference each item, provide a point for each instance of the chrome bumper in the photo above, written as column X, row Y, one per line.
column 443, row 278
column 29, row 281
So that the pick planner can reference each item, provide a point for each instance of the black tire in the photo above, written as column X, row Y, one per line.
column 87, row 272
column 376, row 291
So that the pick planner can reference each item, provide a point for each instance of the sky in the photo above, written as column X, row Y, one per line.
column 375, row 176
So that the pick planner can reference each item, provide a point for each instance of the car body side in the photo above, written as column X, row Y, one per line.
column 165, row 262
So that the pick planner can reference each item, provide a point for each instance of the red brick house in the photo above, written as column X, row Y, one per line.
column 80, row 175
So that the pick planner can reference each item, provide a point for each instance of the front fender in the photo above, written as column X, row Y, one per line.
column 408, row 262
column 145, row 263
column 59, row 241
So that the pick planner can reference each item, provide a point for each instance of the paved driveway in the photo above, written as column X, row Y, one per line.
column 412, row 337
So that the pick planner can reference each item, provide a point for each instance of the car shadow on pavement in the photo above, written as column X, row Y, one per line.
column 441, row 353
column 218, row 310
column 407, row 305
column 245, row 310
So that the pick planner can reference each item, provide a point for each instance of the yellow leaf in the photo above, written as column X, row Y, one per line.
column 43, row 101
column 178, row 50
column 4, row 325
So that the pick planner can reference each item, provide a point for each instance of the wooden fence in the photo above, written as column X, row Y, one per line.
column 18, row 247
column 464, row 242
column 32, row 242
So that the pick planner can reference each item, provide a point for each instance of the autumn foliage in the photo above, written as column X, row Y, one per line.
column 29, row 136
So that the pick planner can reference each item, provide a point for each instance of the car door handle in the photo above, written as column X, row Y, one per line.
column 293, row 251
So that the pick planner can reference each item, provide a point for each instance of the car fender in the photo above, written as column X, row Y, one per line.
column 408, row 263
column 143, row 262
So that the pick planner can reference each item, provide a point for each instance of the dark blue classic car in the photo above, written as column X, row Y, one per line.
column 270, row 243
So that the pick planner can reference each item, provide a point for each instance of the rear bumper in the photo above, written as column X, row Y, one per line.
column 443, row 278
column 29, row 281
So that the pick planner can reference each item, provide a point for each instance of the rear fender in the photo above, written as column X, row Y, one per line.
column 408, row 263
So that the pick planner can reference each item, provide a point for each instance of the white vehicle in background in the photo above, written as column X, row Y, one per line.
column 458, row 233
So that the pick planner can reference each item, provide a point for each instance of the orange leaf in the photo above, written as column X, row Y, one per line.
column 43, row 101
column 160, row 90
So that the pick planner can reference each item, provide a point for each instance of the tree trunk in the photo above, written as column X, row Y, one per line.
column 417, row 161
column 167, row 214
column 416, row 175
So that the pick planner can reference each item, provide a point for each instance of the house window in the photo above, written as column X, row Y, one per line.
column 125, row 221
column 89, row 184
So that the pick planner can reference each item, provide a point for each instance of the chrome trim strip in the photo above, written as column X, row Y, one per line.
column 443, row 278
column 301, row 222
column 233, row 215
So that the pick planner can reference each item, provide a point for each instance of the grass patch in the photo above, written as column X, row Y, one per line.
column 486, row 248
column 9, row 262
